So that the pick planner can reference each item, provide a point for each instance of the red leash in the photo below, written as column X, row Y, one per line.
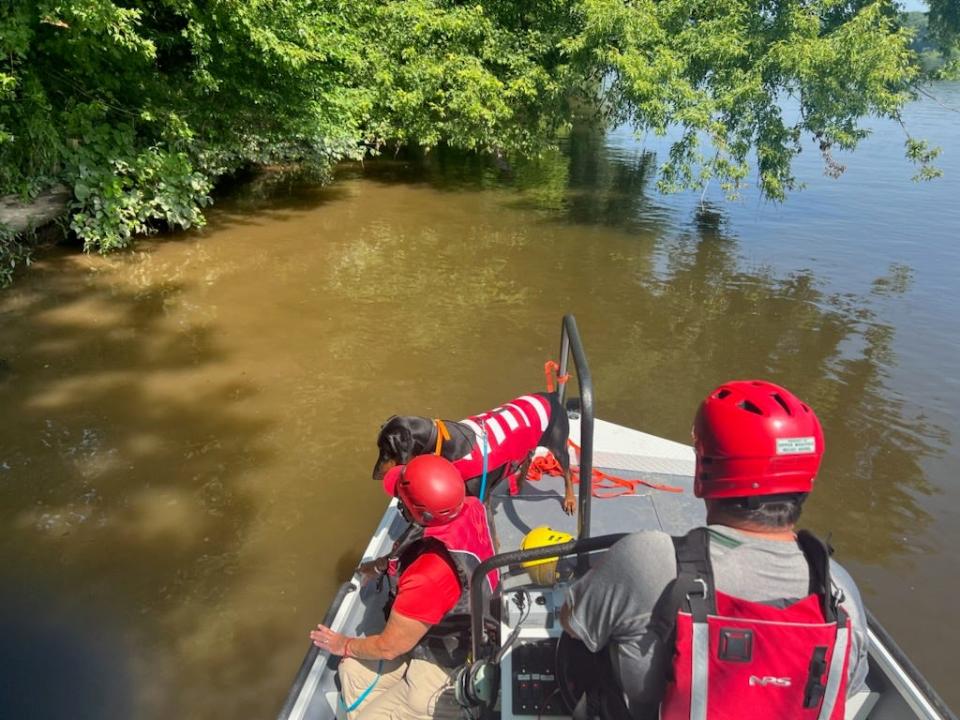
column 603, row 485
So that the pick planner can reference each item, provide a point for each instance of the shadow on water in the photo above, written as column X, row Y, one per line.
column 118, row 485
column 58, row 664
column 583, row 182
column 270, row 197
column 611, row 187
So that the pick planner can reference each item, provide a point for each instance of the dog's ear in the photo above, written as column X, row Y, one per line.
column 401, row 443
column 393, row 445
column 388, row 421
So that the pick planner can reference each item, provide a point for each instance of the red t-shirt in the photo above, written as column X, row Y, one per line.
column 428, row 589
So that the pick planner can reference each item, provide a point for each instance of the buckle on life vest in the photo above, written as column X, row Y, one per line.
column 697, row 599
column 703, row 589
column 816, row 685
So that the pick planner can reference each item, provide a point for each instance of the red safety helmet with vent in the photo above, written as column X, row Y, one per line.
column 755, row 438
column 430, row 488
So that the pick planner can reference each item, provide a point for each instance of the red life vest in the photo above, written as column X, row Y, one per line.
column 512, row 431
column 467, row 541
column 748, row 660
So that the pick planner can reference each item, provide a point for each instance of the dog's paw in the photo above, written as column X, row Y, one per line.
column 569, row 505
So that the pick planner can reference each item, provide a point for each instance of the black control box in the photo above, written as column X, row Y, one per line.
column 535, row 689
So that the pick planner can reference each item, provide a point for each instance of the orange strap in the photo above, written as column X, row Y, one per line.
column 602, row 485
column 442, row 434
column 550, row 369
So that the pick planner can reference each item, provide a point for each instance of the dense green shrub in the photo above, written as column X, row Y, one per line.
column 14, row 252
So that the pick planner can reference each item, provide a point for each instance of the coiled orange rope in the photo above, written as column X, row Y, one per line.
column 603, row 485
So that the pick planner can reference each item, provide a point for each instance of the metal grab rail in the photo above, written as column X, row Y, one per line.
column 570, row 340
column 515, row 557
column 312, row 652
column 899, row 661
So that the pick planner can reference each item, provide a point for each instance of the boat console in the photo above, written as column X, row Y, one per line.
column 528, row 670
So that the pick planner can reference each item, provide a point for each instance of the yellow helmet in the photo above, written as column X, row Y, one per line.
column 543, row 572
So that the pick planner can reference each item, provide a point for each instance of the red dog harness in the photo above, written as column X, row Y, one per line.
column 512, row 432
column 747, row 660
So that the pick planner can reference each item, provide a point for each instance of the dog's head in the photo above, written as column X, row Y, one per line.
column 396, row 445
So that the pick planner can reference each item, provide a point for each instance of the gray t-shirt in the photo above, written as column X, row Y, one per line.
column 611, row 605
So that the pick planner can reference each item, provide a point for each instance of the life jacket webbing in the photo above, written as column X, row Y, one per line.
column 695, row 580
column 694, row 593
column 442, row 435
column 817, row 554
column 695, row 573
column 699, row 688
column 835, row 677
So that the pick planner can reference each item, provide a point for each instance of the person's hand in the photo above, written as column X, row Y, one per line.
column 326, row 639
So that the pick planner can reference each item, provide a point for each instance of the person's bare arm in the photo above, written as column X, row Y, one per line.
column 399, row 636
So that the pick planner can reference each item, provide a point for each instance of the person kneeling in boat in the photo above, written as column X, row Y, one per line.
column 743, row 618
column 406, row 671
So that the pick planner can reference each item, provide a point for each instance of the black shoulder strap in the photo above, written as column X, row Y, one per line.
column 693, row 589
column 413, row 533
column 695, row 574
column 818, row 554
column 387, row 565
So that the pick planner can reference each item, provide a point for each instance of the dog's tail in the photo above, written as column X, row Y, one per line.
column 550, row 370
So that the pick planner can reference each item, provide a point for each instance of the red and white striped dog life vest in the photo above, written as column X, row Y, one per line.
column 512, row 431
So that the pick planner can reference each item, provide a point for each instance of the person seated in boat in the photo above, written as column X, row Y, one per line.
column 406, row 671
column 743, row 618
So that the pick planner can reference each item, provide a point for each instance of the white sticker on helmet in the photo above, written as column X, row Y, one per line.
column 796, row 446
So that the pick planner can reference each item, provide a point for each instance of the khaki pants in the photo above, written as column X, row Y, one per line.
column 407, row 689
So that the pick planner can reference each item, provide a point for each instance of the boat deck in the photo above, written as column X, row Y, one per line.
column 619, row 451
column 625, row 453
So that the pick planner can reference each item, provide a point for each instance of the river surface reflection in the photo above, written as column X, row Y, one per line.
column 188, row 429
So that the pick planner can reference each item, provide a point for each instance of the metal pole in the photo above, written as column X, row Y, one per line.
column 570, row 340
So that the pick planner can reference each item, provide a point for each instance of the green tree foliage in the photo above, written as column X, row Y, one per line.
column 945, row 21
column 944, row 26
column 140, row 106
column 937, row 50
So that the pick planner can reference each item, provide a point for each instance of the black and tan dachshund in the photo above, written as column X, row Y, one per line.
column 507, row 436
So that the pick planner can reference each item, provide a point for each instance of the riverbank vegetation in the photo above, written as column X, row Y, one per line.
column 940, row 60
column 140, row 107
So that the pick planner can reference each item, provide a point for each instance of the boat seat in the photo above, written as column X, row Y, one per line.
column 860, row 705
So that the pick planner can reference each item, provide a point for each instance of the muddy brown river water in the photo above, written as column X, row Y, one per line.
column 187, row 430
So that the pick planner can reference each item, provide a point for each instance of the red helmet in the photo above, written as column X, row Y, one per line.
column 755, row 438
column 431, row 489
